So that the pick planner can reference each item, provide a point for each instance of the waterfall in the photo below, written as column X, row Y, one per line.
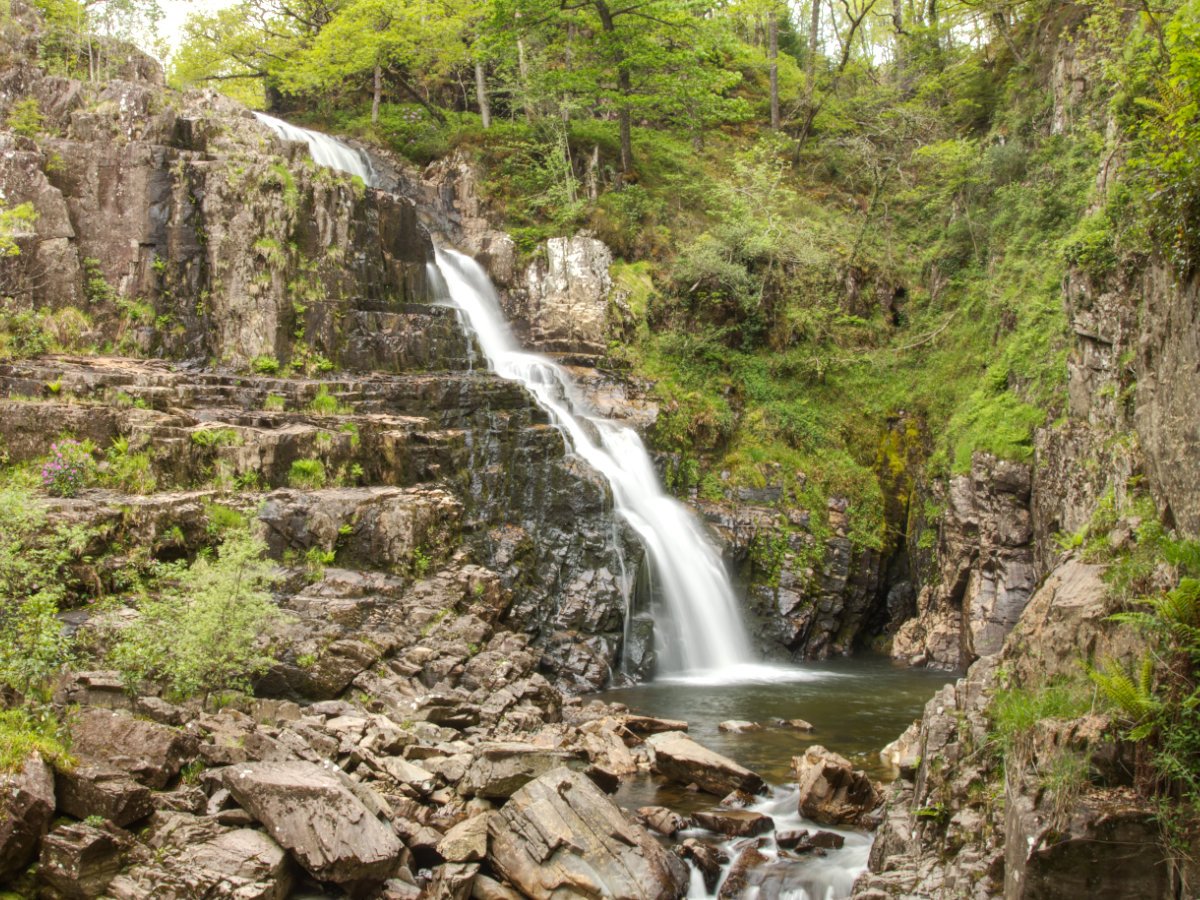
column 325, row 150
column 701, row 636
column 705, row 627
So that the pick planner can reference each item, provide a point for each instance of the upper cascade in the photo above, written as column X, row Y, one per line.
column 702, row 625
column 325, row 150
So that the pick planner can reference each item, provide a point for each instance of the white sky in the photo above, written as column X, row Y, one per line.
column 175, row 13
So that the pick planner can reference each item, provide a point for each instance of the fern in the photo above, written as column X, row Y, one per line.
column 1131, row 694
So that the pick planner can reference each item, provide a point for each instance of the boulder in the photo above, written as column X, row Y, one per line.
column 92, row 789
column 678, row 757
column 465, row 842
column 831, row 790
column 453, row 881
column 560, row 836
column 661, row 819
column 744, row 874
column 734, row 822
column 313, row 813
column 706, row 858
column 499, row 769
column 150, row 752
column 78, row 861
column 802, row 840
column 26, row 808
column 738, row 726
column 490, row 889
column 644, row 725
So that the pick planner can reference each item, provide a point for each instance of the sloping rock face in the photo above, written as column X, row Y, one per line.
column 26, row 808
column 559, row 836
column 564, row 307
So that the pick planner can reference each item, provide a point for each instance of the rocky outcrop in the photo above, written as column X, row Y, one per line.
column 560, row 836
column 986, row 573
column 26, row 808
column 564, row 306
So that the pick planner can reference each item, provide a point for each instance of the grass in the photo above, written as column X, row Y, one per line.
column 23, row 733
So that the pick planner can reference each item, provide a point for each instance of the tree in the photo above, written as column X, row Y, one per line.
column 217, row 613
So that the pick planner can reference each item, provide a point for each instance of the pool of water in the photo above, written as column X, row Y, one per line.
column 856, row 706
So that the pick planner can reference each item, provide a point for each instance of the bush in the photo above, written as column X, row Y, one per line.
column 68, row 468
column 24, row 732
column 25, row 118
column 33, row 646
column 326, row 404
column 217, row 612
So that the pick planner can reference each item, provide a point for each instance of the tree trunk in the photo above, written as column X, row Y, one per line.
column 898, row 23
column 773, row 55
column 481, row 94
column 376, row 95
column 523, row 71
column 624, row 87
column 814, row 38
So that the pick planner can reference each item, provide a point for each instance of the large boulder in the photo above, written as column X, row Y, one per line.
column 499, row 769
column 95, row 789
column 26, row 807
column 151, row 753
column 560, row 836
column 313, row 813
column 832, row 791
column 678, row 757
column 78, row 861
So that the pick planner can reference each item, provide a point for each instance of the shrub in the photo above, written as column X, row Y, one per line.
column 25, row 118
column 307, row 474
column 265, row 365
column 131, row 472
column 275, row 402
column 25, row 731
column 327, row 404
column 217, row 612
column 67, row 469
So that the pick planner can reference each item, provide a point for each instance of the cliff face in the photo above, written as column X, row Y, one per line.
column 176, row 228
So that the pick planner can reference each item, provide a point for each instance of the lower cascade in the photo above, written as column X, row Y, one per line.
column 703, row 629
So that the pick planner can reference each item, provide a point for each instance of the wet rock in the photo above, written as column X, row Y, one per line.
column 705, row 857
column 734, row 822
column 802, row 840
column 26, row 808
column 151, row 753
column 678, row 757
column 312, row 812
column 92, row 789
column 796, row 724
column 566, row 297
column 646, row 725
column 466, row 842
column 661, row 819
column 738, row 800
column 78, row 861
column 743, row 874
column 560, row 836
column 738, row 726
column 831, row 790
column 500, row 769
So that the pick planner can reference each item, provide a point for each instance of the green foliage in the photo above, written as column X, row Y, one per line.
column 68, row 468
column 327, row 404
column 25, row 118
column 275, row 402
column 34, row 563
column 217, row 611
column 307, row 474
column 129, row 472
column 216, row 437
column 1016, row 711
column 265, row 365
column 24, row 732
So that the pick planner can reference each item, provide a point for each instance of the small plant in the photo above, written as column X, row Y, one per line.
column 223, row 518
column 307, row 474
column 265, row 365
column 275, row 403
column 25, row 118
column 420, row 562
column 326, row 404
column 95, row 821
column 68, row 468
column 306, row 660
column 215, row 437
column 54, row 387
column 27, row 731
column 131, row 472
column 315, row 561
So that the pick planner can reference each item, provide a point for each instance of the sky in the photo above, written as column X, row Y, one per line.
column 175, row 13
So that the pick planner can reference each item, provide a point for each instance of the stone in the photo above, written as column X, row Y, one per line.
column 661, row 819
column 678, row 757
column 313, row 814
column 26, row 808
column 91, row 789
column 802, row 840
column 738, row 726
column 647, row 725
column 466, row 842
column 500, row 769
column 561, row 836
column 78, row 861
column 832, row 791
column 705, row 857
column 566, row 297
column 150, row 752
column 743, row 874
column 734, row 822
column 486, row 888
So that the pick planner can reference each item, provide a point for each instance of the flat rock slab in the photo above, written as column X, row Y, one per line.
column 311, row 812
column 101, row 790
column 466, row 842
column 26, row 807
column 78, row 861
column 151, row 753
column 560, row 836
column 734, row 822
column 500, row 769
column 678, row 757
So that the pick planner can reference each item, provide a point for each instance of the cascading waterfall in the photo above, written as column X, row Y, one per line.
column 703, row 636
column 325, row 150
column 695, row 587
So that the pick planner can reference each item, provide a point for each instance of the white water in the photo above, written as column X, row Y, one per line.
column 325, row 150
column 706, row 629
